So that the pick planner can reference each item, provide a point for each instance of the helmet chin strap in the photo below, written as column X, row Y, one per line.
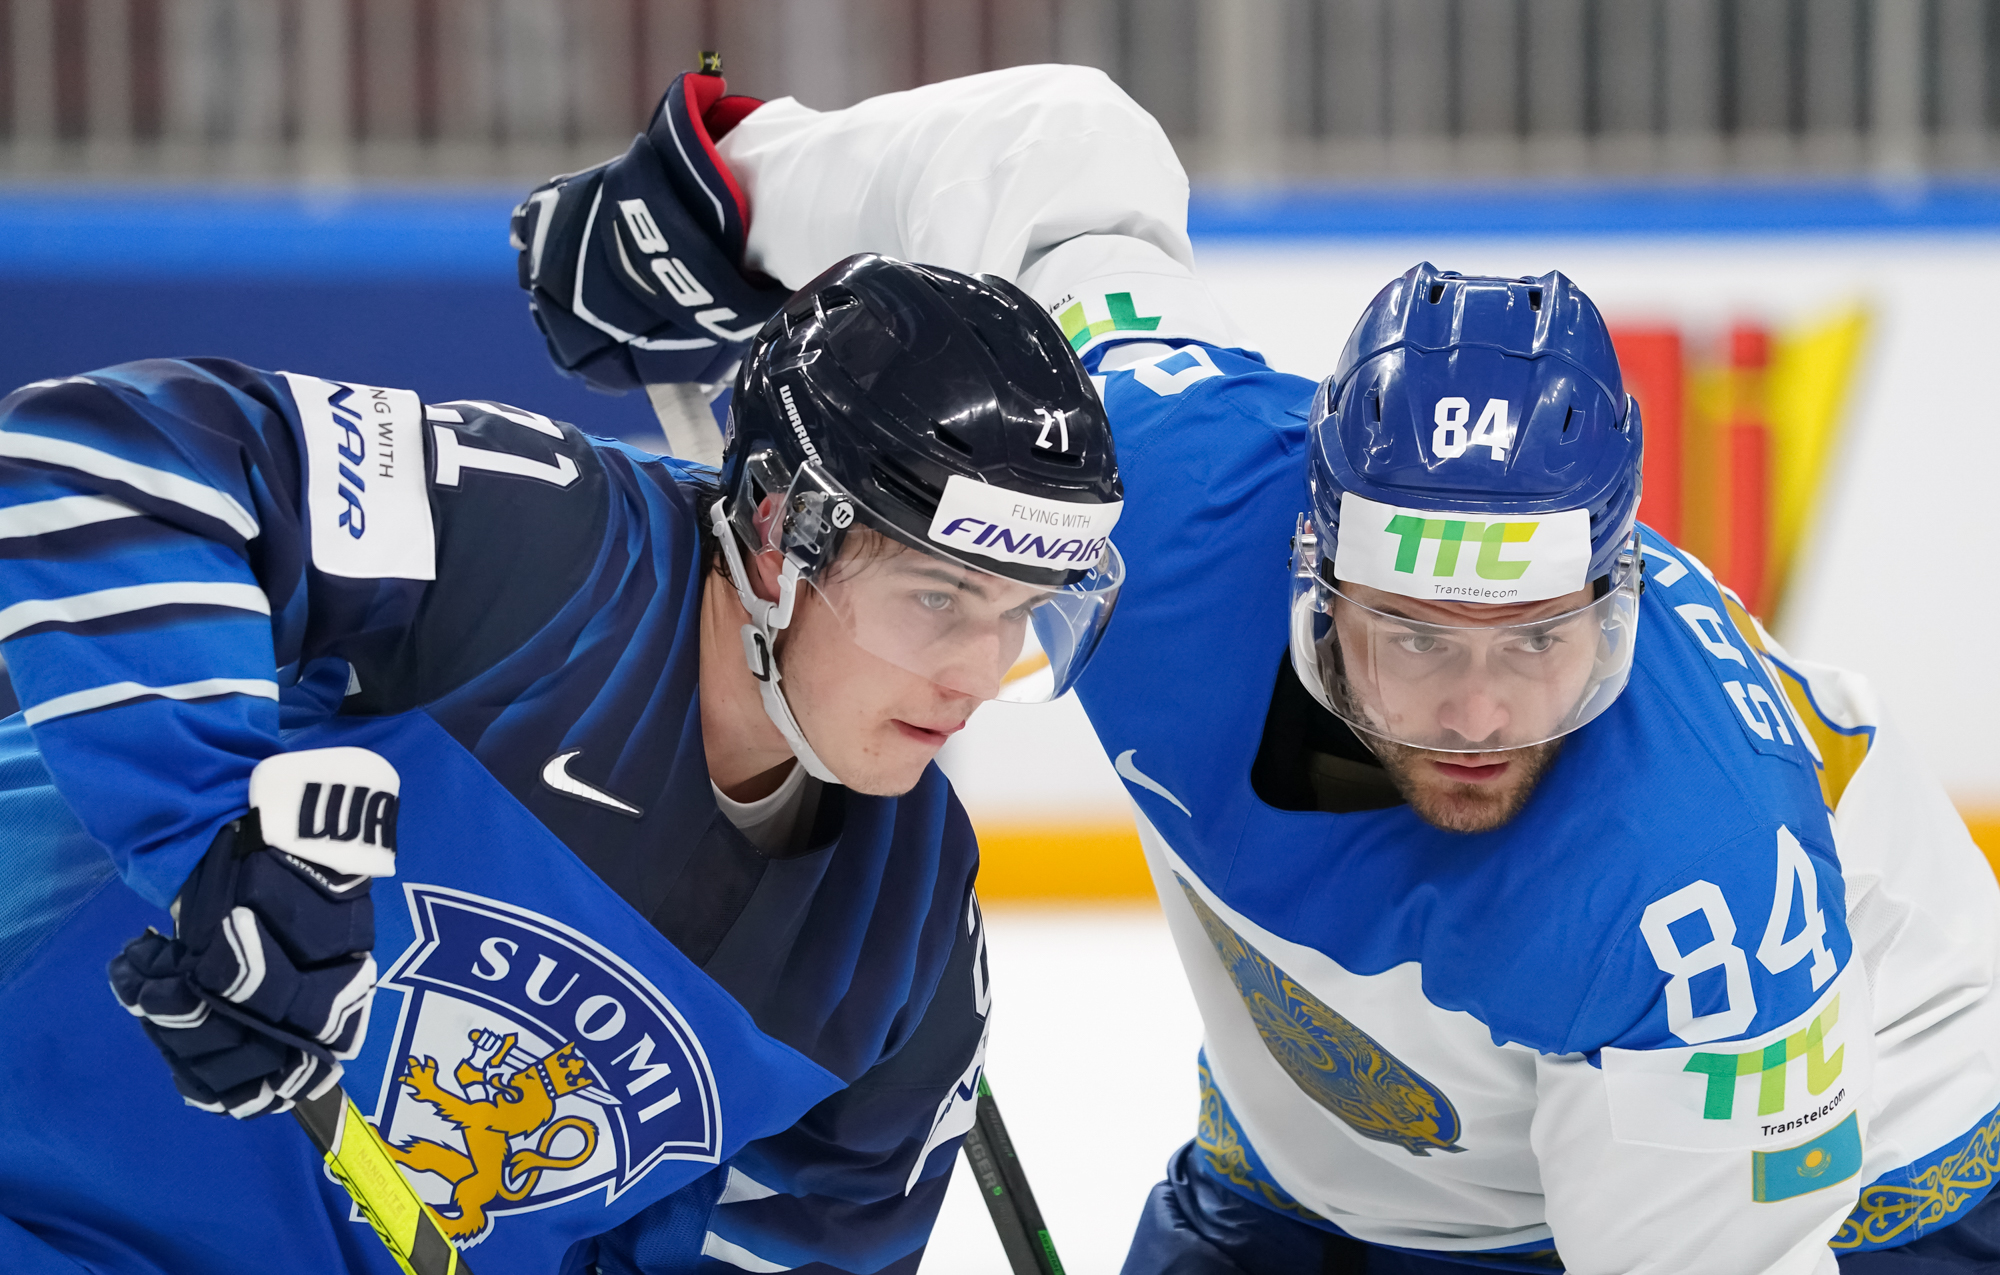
column 760, row 642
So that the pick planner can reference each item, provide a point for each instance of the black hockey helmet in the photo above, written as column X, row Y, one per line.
column 948, row 414
column 896, row 378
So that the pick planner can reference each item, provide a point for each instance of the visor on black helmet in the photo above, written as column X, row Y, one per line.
column 931, row 609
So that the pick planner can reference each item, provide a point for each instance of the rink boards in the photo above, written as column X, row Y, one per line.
column 1895, row 571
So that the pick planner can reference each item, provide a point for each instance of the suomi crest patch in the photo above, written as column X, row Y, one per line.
column 532, row 1066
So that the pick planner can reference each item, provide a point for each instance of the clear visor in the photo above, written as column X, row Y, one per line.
column 1457, row 688
column 971, row 632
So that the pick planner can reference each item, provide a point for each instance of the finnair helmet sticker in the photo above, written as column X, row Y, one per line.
column 1448, row 557
column 1013, row 527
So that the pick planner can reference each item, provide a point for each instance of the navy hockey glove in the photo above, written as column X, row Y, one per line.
column 634, row 268
column 265, row 984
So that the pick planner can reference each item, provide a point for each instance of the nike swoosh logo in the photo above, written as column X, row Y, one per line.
column 1125, row 767
column 555, row 773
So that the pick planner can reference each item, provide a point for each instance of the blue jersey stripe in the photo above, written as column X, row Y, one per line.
column 185, row 645
column 159, row 483
column 45, row 517
column 99, row 603
column 125, row 551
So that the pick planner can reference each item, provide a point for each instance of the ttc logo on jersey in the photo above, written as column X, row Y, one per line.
column 532, row 1066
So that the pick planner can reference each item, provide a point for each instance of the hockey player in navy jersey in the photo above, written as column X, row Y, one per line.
column 1542, row 912
column 573, row 807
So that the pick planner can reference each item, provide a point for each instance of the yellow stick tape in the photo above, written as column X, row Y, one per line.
column 386, row 1198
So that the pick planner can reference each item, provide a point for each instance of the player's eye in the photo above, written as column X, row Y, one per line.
column 1537, row 643
column 1417, row 643
column 1019, row 613
column 934, row 600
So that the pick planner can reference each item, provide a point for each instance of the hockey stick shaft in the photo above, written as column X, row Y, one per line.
column 410, row 1229
column 687, row 422
column 1004, row 1187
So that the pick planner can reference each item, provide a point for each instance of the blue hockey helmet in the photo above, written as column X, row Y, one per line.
column 1387, row 424
column 1474, row 444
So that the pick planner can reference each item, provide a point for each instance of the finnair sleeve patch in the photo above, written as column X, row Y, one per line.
column 1447, row 557
column 365, row 494
column 1013, row 527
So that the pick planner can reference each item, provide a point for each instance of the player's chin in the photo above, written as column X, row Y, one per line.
column 895, row 764
column 1467, row 807
column 1456, row 806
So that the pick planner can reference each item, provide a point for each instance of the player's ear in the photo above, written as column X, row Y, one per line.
column 764, row 570
column 764, row 566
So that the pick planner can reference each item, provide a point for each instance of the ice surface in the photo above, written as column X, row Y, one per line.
column 1092, row 1058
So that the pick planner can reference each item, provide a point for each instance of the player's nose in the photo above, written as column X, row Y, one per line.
column 1474, row 714
column 974, row 669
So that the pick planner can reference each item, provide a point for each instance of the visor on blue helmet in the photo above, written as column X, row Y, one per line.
column 1467, row 579
column 1405, row 669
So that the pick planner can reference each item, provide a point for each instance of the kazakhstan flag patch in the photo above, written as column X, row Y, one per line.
column 1834, row 1156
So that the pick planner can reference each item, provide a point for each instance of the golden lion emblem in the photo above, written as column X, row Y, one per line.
column 521, row 1103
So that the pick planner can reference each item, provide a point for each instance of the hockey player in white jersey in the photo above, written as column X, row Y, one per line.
column 1542, row 912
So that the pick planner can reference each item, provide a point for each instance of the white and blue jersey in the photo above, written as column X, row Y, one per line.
column 759, row 1062
column 1721, row 998
column 1642, row 991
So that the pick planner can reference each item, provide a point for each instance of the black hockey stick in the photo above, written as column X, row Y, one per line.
column 410, row 1229
column 1004, row 1187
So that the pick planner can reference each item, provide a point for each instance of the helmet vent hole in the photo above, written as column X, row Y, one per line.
column 1375, row 402
column 1437, row 293
column 1535, row 299
column 951, row 439
column 1568, row 416
column 904, row 486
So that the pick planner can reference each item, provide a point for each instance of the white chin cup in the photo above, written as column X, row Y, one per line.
column 760, row 642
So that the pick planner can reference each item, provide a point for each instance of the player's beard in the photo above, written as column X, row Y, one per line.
column 1457, row 806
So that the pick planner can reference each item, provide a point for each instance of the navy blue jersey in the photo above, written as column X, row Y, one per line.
column 202, row 565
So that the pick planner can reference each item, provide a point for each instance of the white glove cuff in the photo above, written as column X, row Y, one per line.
column 335, row 807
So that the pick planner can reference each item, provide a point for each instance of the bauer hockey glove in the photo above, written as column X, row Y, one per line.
column 265, row 984
column 634, row 268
